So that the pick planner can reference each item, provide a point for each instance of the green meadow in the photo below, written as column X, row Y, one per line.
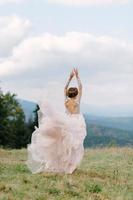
column 104, row 174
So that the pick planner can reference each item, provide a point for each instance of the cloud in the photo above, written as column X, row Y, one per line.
column 89, row 2
column 2, row 2
column 92, row 52
column 105, row 64
column 12, row 30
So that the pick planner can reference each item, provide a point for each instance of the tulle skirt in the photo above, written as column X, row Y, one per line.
column 57, row 145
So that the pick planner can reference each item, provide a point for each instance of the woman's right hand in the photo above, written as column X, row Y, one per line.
column 76, row 72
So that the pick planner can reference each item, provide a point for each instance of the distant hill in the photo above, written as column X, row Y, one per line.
column 100, row 136
column 108, row 111
column 28, row 107
column 124, row 123
column 108, row 131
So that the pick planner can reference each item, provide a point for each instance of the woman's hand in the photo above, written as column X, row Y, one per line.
column 76, row 72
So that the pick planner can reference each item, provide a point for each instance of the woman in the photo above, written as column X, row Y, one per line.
column 57, row 145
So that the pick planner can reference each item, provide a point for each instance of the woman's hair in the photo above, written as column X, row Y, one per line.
column 72, row 92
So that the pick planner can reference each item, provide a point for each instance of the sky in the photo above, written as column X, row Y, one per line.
column 42, row 40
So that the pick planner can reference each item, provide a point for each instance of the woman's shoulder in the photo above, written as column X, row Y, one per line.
column 69, row 100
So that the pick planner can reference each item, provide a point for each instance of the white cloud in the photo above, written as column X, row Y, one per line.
column 105, row 63
column 89, row 2
column 12, row 30
column 2, row 2
column 100, row 53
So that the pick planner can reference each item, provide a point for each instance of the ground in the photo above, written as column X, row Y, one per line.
column 104, row 174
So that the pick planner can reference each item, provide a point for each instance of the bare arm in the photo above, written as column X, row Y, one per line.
column 79, row 83
column 67, row 84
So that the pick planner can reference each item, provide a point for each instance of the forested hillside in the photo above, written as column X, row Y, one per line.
column 105, row 134
column 100, row 136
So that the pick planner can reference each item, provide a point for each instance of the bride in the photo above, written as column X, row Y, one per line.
column 57, row 145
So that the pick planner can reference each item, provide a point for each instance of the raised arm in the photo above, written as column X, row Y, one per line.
column 79, row 83
column 67, row 84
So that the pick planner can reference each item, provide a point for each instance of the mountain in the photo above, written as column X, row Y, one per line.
column 100, row 136
column 108, row 111
column 124, row 123
column 108, row 131
column 28, row 107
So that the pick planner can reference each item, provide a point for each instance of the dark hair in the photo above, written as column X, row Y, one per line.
column 72, row 92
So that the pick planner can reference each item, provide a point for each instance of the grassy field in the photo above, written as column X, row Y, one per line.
column 104, row 174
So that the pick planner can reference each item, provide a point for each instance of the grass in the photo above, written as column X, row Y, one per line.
column 104, row 174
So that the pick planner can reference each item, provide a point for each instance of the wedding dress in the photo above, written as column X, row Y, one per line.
column 57, row 145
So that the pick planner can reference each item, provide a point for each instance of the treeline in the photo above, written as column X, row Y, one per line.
column 15, row 132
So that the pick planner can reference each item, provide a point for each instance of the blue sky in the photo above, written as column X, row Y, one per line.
column 113, row 20
column 41, row 41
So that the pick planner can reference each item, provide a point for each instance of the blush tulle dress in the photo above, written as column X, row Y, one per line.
column 57, row 145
